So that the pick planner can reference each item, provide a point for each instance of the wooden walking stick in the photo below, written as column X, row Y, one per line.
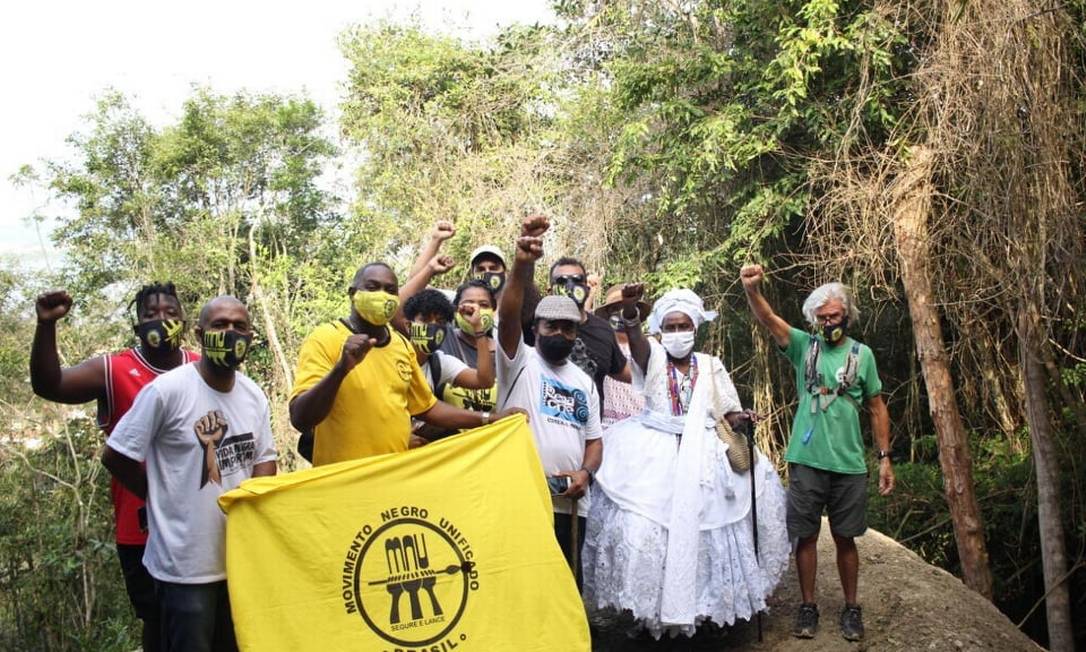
column 748, row 430
column 574, row 536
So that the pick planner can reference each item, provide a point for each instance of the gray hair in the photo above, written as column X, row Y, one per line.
column 826, row 293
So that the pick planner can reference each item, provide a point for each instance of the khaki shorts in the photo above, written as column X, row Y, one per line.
column 812, row 491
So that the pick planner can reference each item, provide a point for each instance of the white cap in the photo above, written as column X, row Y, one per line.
column 487, row 249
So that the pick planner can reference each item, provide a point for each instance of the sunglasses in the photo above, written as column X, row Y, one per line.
column 569, row 278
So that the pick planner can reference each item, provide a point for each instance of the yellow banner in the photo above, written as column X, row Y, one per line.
column 447, row 547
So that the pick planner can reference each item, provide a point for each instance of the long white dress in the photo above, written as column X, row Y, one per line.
column 669, row 535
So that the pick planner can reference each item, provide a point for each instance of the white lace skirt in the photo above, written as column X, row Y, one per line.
column 624, row 552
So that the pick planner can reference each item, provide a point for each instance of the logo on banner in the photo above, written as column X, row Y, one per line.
column 409, row 578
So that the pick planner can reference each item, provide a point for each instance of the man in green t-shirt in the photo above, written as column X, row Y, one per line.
column 835, row 377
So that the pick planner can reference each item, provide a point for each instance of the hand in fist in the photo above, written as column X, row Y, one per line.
column 441, row 264
column 354, row 350
column 632, row 293
column 472, row 315
column 443, row 230
column 751, row 276
column 534, row 226
column 52, row 305
column 529, row 248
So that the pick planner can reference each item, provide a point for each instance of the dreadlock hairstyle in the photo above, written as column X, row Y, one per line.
column 148, row 291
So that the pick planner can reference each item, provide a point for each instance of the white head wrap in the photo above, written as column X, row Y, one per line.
column 684, row 301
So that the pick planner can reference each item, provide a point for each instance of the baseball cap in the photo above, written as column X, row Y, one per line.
column 486, row 249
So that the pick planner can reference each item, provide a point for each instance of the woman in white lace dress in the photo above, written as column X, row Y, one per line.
column 669, row 535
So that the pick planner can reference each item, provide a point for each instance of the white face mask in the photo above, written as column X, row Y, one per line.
column 678, row 345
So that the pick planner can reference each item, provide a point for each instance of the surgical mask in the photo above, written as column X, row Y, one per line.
column 834, row 333
column 554, row 348
column 226, row 349
column 678, row 345
column 427, row 337
column 160, row 334
column 485, row 324
column 376, row 307
column 494, row 280
column 572, row 289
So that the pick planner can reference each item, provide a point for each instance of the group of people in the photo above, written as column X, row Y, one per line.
column 628, row 420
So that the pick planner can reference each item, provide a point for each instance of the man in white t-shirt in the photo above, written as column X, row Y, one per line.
column 561, row 400
column 201, row 429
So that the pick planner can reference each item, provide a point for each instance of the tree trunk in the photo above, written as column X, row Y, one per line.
column 911, row 207
column 269, row 323
column 1046, row 464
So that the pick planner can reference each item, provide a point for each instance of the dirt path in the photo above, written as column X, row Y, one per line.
column 908, row 605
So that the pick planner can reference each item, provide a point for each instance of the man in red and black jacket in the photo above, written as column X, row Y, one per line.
column 113, row 381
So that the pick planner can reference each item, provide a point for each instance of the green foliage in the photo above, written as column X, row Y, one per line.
column 60, row 585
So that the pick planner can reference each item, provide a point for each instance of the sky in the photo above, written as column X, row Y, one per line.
column 58, row 56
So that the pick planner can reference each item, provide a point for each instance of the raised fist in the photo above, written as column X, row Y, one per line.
column 534, row 226
column 472, row 315
column 529, row 248
column 443, row 230
column 211, row 427
column 751, row 276
column 52, row 305
column 354, row 350
column 441, row 264
column 632, row 293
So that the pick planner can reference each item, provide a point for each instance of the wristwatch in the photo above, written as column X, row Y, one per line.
column 881, row 454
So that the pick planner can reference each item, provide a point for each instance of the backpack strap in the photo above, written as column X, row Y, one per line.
column 435, row 370
column 812, row 379
column 820, row 397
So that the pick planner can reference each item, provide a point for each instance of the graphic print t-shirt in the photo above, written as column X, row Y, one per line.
column 189, row 466
column 563, row 410
column 597, row 352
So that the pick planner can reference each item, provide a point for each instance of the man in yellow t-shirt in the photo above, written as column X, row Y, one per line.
column 358, row 382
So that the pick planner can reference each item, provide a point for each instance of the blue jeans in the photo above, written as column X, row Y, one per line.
column 196, row 617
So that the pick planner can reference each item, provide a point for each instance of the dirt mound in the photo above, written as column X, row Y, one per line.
column 908, row 605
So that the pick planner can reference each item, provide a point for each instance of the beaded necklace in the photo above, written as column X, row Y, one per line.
column 677, row 393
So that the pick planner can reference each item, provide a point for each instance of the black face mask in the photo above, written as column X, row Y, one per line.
column 572, row 289
column 835, row 333
column 615, row 321
column 554, row 348
column 226, row 349
column 427, row 337
column 494, row 280
column 160, row 334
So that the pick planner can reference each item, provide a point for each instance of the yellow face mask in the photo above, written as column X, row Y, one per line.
column 376, row 307
column 486, row 322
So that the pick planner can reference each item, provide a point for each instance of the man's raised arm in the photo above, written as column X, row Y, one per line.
column 751, row 276
column 79, row 384
column 529, row 250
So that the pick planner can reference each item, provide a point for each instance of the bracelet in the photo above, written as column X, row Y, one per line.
column 486, row 418
column 591, row 475
column 882, row 454
column 635, row 322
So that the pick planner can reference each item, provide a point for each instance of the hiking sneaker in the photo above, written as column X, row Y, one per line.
column 806, row 621
column 852, row 623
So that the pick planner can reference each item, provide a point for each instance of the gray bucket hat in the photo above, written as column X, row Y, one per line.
column 556, row 307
